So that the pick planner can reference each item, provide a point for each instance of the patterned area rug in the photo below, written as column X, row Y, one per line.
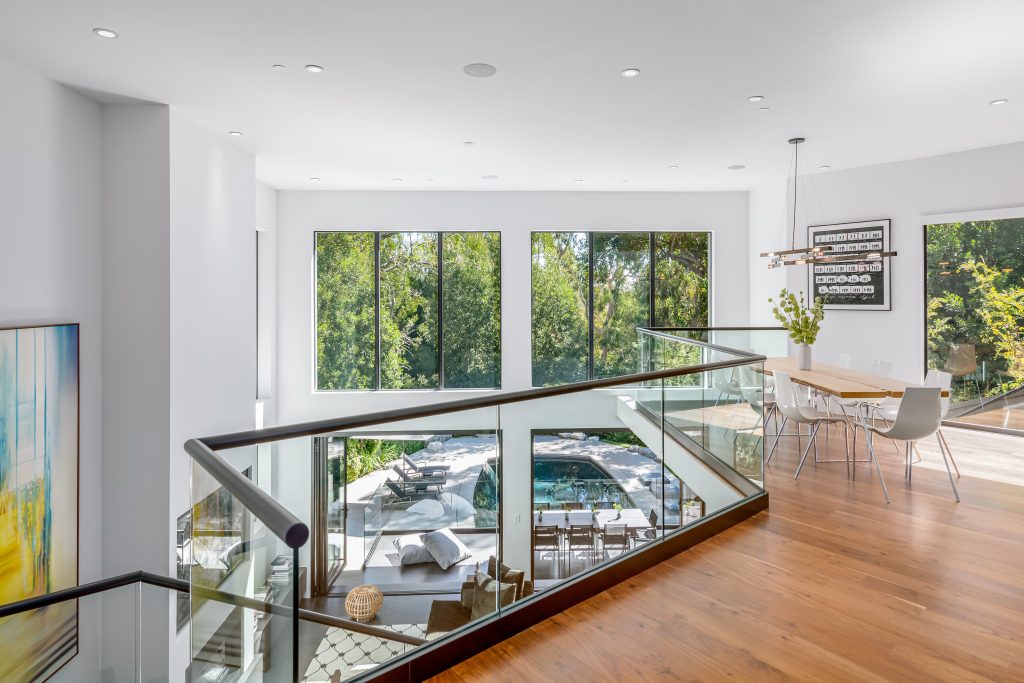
column 343, row 654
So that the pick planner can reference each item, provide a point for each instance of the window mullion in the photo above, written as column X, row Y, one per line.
column 376, row 310
column 440, row 311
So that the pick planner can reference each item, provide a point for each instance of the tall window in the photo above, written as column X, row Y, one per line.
column 408, row 310
column 975, row 307
column 590, row 291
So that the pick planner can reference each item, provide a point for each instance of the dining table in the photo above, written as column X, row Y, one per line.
column 841, row 382
column 633, row 518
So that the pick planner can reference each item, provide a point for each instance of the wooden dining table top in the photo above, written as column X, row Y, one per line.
column 840, row 382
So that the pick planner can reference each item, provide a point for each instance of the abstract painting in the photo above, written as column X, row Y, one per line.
column 38, row 496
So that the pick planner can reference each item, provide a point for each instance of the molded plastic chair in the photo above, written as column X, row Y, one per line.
column 919, row 416
column 785, row 398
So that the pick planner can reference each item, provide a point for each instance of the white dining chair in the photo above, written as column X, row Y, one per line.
column 888, row 408
column 759, row 397
column 882, row 367
column 785, row 399
column 919, row 416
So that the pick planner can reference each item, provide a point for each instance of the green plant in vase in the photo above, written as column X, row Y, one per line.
column 618, row 510
column 802, row 322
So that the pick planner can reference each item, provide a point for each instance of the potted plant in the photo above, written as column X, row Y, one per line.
column 618, row 510
column 802, row 323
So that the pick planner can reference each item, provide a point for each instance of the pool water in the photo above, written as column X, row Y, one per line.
column 558, row 480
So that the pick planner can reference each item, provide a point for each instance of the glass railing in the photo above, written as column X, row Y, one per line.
column 237, row 560
column 432, row 520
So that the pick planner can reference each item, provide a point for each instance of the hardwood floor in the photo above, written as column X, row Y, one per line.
column 830, row 584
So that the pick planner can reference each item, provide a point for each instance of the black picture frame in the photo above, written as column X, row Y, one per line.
column 872, row 288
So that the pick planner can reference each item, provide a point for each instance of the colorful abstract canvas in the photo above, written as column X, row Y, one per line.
column 38, row 496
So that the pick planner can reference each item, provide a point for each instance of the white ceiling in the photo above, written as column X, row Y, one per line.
column 866, row 81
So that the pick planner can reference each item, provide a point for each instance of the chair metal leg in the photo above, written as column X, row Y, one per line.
column 778, row 435
column 871, row 450
column 956, row 494
column 943, row 442
column 909, row 462
column 814, row 433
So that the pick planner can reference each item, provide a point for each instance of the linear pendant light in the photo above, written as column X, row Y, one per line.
column 818, row 254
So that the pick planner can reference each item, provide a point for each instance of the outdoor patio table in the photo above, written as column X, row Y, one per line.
column 633, row 518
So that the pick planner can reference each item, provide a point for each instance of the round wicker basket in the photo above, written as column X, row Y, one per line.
column 363, row 602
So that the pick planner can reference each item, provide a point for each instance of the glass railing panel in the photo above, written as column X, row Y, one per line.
column 164, row 643
column 245, row 583
column 594, row 487
column 423, row 508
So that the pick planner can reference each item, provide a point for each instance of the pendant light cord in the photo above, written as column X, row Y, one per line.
column 796, row 162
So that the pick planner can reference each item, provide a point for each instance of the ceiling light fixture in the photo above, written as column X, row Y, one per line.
column 105, row 33
column 824, row 167
column 736, row 167
column 479, row 70
column 397, row 180
column 755, row 98
column 236, row 133
column 314, row 179
column 280, row 67
column 765, row 109
column 630, row 73
column 314, row 69
column 578, row 180
column 468, row 143
column 816, row 254
column 1000, row 101
column 673, row 168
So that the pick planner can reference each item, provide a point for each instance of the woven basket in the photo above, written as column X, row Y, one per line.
column 363, row 602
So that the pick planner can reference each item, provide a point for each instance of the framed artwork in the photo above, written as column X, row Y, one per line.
column 852, row 285
column 38, row 496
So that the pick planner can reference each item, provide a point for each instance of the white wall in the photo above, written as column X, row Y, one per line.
column 905, row 192
column 768, row 232
column 50, row 266
column 515, row 214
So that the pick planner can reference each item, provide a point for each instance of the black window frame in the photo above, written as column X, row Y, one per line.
column 652, row 287
column 377, row 236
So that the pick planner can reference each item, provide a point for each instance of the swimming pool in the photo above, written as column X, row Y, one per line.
column 562, row 479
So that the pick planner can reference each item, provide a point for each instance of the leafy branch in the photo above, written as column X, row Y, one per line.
column 802, row 323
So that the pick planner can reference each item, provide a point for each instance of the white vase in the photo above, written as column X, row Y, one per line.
column 803, row 356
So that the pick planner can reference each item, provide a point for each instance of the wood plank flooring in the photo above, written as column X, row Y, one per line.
column 830, row 584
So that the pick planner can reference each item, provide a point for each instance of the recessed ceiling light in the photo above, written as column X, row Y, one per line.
column 824, row 167
column 397, row 180
column 280, row 67
column 236, row 133
column 314, row 179
column 737, row 167
column 998, row 102
column 765, row 109
column 631, row 73
column 314, row 69
column 578, row 180
column 468, row 143
column 488, row 177
column 105, row 33
column 479, row 70
column 673, row 168
column 755, row 98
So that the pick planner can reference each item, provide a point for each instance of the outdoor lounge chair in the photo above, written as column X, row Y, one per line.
column 420, row 483
column 425, row 470
column 405, row 494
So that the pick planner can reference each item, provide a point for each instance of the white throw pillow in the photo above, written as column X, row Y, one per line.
column 411, row 550
column 445, row 548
